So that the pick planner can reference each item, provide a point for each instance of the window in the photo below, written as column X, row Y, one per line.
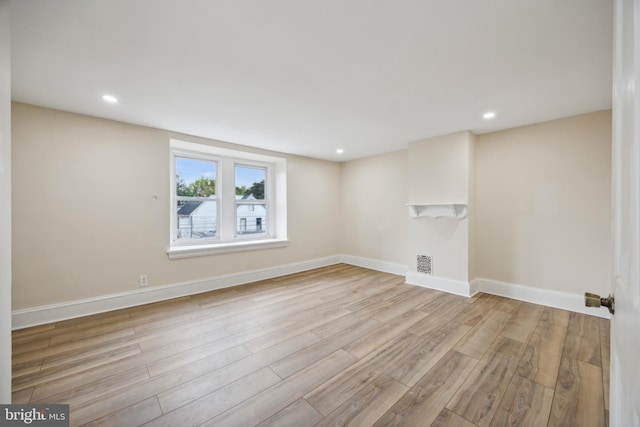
column 251, row 198
column 195, row 195
column 225, row 200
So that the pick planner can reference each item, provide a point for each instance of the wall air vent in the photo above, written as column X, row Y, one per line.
column 424, row 264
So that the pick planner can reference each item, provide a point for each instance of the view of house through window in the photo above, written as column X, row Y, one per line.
column 251, row 200
column 225, row 200
column 196, row 202
column 197, row 199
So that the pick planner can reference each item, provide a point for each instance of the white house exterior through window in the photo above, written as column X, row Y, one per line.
column 225, row 200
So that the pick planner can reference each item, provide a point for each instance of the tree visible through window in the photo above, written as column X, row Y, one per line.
column 225, row 200
column 251, row 200
column 196, row 203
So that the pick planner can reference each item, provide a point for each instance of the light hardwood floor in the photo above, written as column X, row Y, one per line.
column 336, row 346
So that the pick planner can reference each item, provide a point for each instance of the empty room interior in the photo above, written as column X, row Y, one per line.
column 302, row 213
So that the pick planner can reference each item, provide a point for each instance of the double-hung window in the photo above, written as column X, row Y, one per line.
column 196, row 205
column 225, row 200
column 252, row 205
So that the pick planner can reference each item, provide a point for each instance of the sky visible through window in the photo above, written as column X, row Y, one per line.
column 245, row 176
column 190, row 170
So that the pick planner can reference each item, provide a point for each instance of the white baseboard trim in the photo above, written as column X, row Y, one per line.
column 548, row 297
column 374, row 264
column 457, row 287
column 68, row 310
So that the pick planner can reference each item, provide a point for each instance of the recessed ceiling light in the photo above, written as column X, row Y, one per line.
column 339, row 151
column 489, row 115
column 110, row 99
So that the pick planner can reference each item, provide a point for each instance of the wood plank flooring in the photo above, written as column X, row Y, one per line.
column 334, row 346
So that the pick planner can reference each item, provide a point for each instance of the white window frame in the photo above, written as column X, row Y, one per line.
column 174, row 197
column 268, row 192
column 227, row 239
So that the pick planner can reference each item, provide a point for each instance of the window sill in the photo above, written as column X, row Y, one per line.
column 178, row 252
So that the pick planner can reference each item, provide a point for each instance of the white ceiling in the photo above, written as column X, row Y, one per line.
column 308, row 76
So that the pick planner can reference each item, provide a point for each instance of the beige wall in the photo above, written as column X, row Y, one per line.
column 91, row 210
column 90, row 206
column 543, row 204
column 472, row 248
column 439, row 172
column 5, row 204
column 439, row 169
column 374, row 215
column 539, row 205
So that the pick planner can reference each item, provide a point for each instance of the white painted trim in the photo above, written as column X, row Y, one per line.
column 547, row 297
column 84, row 307
column 374, row 264
column 179, row 252
column 5, row 201
column 227, row 241
column 68, row 310
column 457, row 287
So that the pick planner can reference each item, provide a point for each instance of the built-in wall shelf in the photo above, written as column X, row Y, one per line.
column 438, row 210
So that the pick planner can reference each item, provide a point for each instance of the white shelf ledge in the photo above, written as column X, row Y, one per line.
column 438, row 210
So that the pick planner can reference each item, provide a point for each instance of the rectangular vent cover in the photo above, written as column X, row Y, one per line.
column 424, row 264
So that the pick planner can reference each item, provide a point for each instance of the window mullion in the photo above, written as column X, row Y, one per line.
column 227, row 200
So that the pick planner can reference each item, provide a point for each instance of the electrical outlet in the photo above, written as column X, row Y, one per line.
column 144, row 280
